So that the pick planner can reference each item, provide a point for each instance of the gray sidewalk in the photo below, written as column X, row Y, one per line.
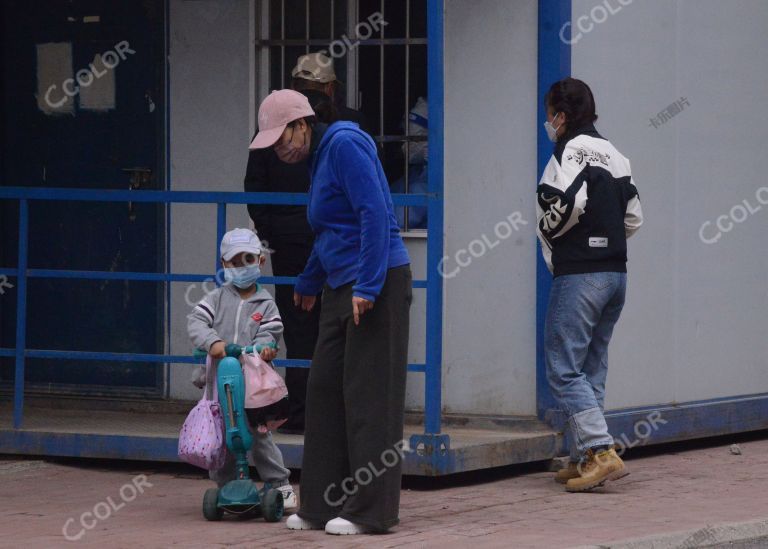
column 682, row 498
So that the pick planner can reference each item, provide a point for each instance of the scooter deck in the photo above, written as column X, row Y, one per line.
column 239, row 492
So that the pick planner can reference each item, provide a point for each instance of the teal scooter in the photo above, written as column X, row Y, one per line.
column 240, row 496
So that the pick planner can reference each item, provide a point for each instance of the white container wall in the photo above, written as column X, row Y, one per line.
column 210, row 113
column 694, row 324
column 489, row 360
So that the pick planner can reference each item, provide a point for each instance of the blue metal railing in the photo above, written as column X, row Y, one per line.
column 435, row 212
column 22, row 272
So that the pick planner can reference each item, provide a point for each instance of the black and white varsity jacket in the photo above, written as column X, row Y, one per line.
column 587, row 206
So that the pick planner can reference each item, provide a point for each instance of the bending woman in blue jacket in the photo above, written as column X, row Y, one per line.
column 350, row 480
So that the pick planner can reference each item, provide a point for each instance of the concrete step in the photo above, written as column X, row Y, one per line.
column 143, row 432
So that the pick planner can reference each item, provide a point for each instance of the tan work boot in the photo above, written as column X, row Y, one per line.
column 567, row 473
column 599, row 468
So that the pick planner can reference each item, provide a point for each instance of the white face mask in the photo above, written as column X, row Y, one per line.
column 551, row 130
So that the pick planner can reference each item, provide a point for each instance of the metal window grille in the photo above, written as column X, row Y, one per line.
column 384, row 73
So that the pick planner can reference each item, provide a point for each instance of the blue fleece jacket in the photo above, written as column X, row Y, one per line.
column 350, row 210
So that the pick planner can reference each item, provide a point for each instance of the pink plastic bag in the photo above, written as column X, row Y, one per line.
column 263, row 385
column 201, row 439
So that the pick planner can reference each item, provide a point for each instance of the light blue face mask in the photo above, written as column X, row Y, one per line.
column 242, row 277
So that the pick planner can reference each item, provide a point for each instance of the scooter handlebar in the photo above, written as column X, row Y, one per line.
column 234, row 350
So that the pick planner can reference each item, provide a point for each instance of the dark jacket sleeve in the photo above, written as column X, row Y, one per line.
column 256, row 181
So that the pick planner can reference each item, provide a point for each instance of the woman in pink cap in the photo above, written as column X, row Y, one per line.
column 353, row 442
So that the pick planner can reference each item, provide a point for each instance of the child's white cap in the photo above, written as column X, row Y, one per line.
column 238, row 241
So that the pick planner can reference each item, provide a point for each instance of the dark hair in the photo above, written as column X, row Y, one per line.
column 325, row 110
column 301, row 84
column 309, row 120
column 575, row 99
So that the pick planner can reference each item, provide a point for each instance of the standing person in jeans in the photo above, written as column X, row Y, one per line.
column 356, row 391
column 286, row 230
column 588, row 207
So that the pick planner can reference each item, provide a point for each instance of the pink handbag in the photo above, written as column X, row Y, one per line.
column 202, row 439
column 263, row 385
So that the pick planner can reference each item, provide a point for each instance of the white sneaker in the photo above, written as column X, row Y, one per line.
column 342, row 527
column 295, row 522
column 289, row 496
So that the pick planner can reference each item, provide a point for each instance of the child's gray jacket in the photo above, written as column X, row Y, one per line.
column 223, row 315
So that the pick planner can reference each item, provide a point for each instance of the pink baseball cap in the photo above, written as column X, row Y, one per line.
column 279, row 109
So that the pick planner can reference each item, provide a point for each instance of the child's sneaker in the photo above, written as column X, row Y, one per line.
column 289, row 496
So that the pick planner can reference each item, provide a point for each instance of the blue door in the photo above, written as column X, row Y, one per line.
column 82, row 99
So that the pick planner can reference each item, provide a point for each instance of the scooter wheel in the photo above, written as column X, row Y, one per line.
column 211, row 510
column 272, row 505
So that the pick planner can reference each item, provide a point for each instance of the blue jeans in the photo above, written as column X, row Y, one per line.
column 583, row 309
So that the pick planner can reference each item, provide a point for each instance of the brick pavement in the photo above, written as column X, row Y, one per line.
column 514, row 507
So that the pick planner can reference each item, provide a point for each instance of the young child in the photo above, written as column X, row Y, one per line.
column 244, row 313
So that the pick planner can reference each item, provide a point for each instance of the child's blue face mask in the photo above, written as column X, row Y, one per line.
column 242, row 277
